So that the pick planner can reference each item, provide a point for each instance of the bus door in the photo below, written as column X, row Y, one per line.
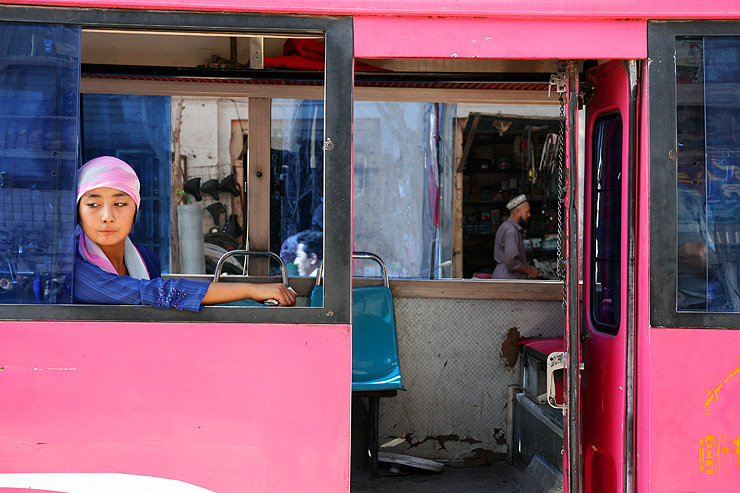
column 608, row 307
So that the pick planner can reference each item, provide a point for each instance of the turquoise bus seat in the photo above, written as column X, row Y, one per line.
column 375, row 364
column 374, row 344
column 376, row 371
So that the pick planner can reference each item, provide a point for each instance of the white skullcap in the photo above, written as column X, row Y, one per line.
column 516, row 202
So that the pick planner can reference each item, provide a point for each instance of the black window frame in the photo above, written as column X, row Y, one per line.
column 663, row 196
column 338, row 118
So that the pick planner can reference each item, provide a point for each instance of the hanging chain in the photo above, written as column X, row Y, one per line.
column 562, row 259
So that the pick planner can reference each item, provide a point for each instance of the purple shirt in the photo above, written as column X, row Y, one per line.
column 508, row 251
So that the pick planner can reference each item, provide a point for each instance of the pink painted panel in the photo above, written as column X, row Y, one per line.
column 496, row 37
column 226, row 407
column 605, row 9
column 694, row 380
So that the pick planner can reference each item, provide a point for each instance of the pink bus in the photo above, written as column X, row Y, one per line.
column 644, row 187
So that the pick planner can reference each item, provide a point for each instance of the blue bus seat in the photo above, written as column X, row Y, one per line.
column 375, row 363
column 374, row 343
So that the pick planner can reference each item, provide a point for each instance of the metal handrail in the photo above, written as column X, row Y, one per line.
column 247, row 253
column 357, row 256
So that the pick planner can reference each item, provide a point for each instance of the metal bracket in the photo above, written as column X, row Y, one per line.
column 560, row 81
column 328, row 144
column 555, row 362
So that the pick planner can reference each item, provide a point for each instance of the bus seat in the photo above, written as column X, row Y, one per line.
column 375, row 363
column 376, row 371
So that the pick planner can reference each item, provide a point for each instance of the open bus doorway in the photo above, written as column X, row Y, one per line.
column 451, row 360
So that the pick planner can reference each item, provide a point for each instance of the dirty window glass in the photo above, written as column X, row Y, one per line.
column 708, row 174
column 403, row 187
column 39, row 85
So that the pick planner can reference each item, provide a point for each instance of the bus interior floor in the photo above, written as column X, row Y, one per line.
column 494, row 477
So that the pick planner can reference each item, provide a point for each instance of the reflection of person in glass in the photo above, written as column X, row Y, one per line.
column 290, row 245
column 723, row 219
column 508, row 249
column 309, row 253
column 110, row 269
column 695, row 252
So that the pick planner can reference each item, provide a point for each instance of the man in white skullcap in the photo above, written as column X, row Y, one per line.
column 508, row 250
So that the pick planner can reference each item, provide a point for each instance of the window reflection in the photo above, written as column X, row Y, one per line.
column 39, row 78
column 297, row 160
column 708, row 174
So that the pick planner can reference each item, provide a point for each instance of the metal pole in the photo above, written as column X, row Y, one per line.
column 573, row 349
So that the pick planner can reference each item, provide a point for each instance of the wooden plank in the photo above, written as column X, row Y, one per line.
column 478, row 290
column 200, row 89
column 457, row 214
column 239, row 128
column 176, row 183
column 468, row 144
column 258, row 183
column 169, row 88
column 257, row 52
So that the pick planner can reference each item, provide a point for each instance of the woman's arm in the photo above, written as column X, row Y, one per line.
column 94, row 285
column 225, row 292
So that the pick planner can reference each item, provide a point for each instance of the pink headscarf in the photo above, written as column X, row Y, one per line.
column 109, row 172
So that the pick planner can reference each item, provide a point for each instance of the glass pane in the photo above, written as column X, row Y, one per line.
column 403, row 187
column 708, row 174
column 39, row 87
column 137, row 130
column 297, row 160
column 607, row 211
column 403, row 183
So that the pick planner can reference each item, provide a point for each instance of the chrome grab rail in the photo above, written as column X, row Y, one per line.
column 357, row 256
column 247, row 253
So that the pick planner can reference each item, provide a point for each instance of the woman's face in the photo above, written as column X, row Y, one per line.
column 107, row 215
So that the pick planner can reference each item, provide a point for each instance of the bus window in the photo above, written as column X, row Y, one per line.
column 708, row 174
column 160, row 101
column 607, row 210
column 39, row 83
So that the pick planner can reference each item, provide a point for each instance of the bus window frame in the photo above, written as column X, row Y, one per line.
column 338, row 116
column 663, row 144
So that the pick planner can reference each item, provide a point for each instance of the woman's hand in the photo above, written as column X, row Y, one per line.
column 225, row 292
column 284, row 295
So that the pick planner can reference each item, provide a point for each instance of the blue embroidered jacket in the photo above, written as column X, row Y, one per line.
column 95, row 285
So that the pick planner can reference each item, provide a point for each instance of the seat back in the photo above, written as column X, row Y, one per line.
column 375, row 363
